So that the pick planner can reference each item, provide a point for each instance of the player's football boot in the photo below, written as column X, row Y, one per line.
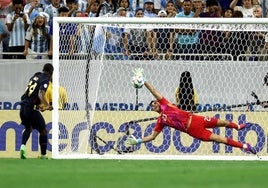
column 23, row 152
column 249, row 148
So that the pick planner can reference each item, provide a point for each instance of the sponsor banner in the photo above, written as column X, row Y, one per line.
column 11, row 134
column 110, row 126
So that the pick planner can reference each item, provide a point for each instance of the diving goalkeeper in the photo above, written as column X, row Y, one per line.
column 194, row 125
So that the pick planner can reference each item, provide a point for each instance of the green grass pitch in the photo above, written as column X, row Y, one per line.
column 88, row 173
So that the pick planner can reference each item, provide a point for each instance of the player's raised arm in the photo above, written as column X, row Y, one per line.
column 155, row 93
column 138, row 81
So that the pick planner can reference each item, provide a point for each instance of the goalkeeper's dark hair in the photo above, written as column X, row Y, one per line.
column 48, row 68
column 152, row 101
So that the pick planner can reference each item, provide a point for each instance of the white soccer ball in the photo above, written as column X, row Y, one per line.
column 137, row 82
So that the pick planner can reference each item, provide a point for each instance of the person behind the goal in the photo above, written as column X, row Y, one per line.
column 194, row 125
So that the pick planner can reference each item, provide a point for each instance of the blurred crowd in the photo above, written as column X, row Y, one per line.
column 26, row 28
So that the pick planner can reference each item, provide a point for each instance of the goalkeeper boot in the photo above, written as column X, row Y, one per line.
column 23, row 152
column 249, row 148
column 244, row 126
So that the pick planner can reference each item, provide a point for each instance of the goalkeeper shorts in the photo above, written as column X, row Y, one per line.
column 199, row 125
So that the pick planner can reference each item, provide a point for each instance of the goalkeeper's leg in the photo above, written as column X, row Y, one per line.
column 198, row 130
column 231, row 142
column 228, row 124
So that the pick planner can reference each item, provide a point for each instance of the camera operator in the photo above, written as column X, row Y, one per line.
column 17, row 23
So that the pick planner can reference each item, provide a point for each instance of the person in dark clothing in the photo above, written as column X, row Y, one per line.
column 186, row 98
column 30, row 115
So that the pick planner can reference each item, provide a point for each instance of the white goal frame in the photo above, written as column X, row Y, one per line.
column 101, row 20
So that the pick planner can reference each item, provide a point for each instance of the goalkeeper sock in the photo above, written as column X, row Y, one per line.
column 233, row 143
column 233, row 125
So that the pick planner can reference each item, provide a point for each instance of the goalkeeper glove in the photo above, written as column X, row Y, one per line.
column 138, row 72
column 131, row 140
column 138, row 79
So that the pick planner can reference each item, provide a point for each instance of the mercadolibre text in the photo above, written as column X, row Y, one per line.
column 113, row 106
column 114, row 136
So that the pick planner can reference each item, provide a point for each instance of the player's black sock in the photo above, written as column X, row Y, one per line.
column 43, row 144
column 25, row 136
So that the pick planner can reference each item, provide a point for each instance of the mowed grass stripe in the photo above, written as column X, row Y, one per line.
column 32, row 173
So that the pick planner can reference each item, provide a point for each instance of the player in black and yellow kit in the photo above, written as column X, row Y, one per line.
column 30, row 115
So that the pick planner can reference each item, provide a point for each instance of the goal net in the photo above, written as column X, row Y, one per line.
column 94, row 59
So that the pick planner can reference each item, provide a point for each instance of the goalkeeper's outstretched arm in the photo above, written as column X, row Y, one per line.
column 131, row 140
column 138, row 80
column 154, row 92
column 150, row 137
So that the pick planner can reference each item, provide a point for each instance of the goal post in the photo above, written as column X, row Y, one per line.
column 94, row 58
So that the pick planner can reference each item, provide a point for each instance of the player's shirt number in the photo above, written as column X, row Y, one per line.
column 31, row 86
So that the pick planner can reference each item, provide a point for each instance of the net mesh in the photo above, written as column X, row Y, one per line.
column 226, row 64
